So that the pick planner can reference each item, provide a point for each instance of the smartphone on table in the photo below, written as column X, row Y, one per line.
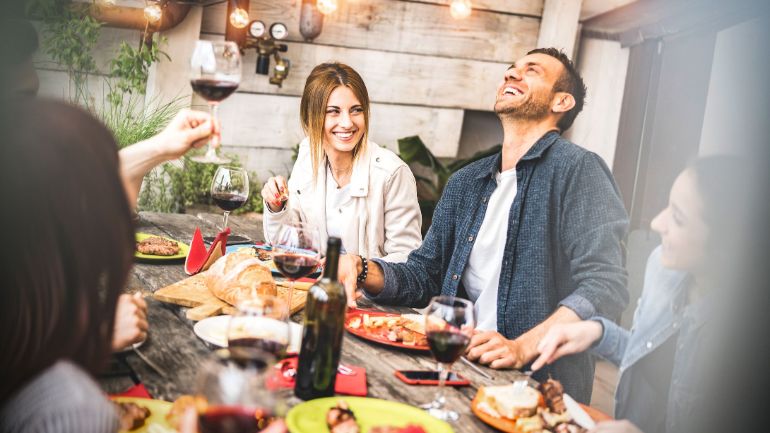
column 426, row 377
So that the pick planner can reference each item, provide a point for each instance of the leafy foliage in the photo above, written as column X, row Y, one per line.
column 131, row 123
column 130, row 66
column 431, row 174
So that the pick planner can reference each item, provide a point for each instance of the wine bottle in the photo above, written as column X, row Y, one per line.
column 319, row 354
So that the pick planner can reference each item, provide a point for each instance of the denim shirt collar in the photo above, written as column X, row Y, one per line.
column 535, row 152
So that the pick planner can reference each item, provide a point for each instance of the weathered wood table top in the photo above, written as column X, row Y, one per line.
column 174, row 347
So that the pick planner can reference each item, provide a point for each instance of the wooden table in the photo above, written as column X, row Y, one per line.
column 173, row 346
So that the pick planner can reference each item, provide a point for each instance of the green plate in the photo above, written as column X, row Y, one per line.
column 183, row 249
column 158, row 411
column 310, row 417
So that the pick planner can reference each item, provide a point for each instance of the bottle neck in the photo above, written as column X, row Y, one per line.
column 332, row 261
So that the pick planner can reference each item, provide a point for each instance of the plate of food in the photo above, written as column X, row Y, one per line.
column 142, row 415
column 361, row 415
column 520, row 408
column 406, row 331
column 154, row 247
column 213, row 330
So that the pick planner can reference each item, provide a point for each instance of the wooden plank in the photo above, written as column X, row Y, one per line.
column 401, row 26
column 519, row 7
column 394, row 78
column 594, row 8
column 255, row 120
column 560, row 24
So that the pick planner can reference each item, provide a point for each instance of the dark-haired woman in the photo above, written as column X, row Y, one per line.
column 342, row 183
column 662, row 357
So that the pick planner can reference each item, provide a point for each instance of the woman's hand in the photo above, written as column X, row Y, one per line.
column 187, row 130
column 275, row 193
column 566, row 339
column 622, row 426
column 130, row 321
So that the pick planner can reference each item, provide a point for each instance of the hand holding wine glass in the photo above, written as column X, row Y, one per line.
column 449, row 324
column 229, row 189
column 296, row 252
column 215, row 75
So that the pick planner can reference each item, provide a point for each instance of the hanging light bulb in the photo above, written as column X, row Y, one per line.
column 239, row 18
column 326, row 6
column 153, row 12
column 460, row 9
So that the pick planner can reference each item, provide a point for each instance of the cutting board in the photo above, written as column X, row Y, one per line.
column 193, row 293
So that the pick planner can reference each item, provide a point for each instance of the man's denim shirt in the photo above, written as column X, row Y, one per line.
column 661, row 313
column 563, row 246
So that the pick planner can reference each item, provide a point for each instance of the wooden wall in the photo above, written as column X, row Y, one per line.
column 422, row 69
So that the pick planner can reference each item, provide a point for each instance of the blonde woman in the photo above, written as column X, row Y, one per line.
column 342, row 183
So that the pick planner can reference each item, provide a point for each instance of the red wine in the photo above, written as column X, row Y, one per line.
column 213, row 90
column 319, row 354
column 277, row 348
column 294, row 266
column 447, row 346
column 228, row 202
column 233, row 419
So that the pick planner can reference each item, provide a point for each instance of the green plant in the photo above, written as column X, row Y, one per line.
column 431, row 174
column 134, row 119
column 130, row 66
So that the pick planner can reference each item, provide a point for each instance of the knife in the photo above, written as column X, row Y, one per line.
column 152, row 365
column 476, row 369
column 578, row 414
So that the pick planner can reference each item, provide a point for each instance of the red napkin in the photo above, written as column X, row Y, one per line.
column 199, row 258
column 135, row 391
column 354, row 384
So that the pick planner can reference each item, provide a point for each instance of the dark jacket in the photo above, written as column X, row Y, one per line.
column 563, row 247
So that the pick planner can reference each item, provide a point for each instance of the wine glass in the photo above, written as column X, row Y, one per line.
column 262, row 323
column 215, row 74
column 232, row 386
column 229, row 189
column 296, row 252
column 449, row 324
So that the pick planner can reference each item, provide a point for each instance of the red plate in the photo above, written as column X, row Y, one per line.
column 362, row 333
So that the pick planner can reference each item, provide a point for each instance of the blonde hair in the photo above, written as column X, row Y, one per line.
column 320, row 84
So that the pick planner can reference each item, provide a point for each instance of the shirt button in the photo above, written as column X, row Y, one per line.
column 649, row 344
column 483, row 199
column 377, row 159
column 470, row 238
column 455, row 277
column 676, row 325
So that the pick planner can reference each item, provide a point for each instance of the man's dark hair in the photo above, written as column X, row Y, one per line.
column 570, row 82
column 18, row 41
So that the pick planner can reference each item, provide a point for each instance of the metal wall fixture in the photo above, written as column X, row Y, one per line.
column 265, row 42
column 311, row 17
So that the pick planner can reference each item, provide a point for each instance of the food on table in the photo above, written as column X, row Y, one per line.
column 131, row 415
column 264, row 255
column 174, row 416
column 408, row 329
column 532, row 410
column 340, row 419
column 158, row 246
column 238, row 276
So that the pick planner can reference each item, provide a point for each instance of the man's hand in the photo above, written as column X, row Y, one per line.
column 130, row 321
column 347, row 273
column 566, row 339
column 188, row 129
column 622, row 426
column 490, row 347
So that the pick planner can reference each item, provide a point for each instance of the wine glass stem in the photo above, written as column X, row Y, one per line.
column 214, row 140
column 443, row 373
column 291, row 295
column 227, row 213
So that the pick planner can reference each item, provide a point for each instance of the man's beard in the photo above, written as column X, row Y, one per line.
column 532, row 109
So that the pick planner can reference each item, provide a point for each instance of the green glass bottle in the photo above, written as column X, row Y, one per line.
column 319, row 353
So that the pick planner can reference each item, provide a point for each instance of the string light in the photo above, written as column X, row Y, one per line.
column 239, row 18
column 460, row 9
column 153, row 12
column 326, row 6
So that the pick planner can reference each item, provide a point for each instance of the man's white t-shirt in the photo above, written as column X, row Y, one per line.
column 482, row 273
column 337, row 206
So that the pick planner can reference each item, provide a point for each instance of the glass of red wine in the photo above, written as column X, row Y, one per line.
column 215, row 74
column 449, row 324
column 296, row 252
column 229, row 189
column 262, row 323
column 232, row 385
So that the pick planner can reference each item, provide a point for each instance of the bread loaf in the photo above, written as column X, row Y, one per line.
column 238, row 276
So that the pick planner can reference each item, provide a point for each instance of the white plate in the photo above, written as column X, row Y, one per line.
column 213, row 330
